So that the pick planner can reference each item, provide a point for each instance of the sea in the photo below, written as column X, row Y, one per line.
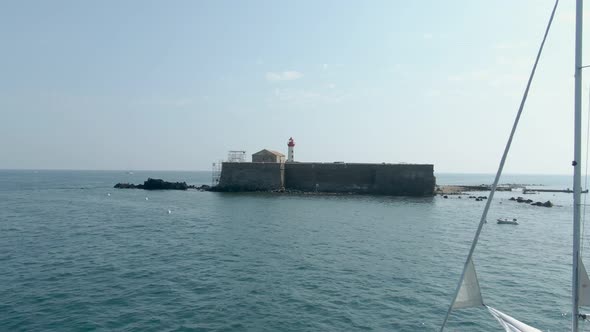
column 78, row 255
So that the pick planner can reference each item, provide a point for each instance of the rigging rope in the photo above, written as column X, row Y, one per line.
column 500, row 167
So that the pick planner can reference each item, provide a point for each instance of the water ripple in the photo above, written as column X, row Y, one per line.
column 77, row 259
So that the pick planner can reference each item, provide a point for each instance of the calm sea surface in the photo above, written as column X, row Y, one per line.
column 77, row 255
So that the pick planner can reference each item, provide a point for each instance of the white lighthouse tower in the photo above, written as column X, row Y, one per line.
column 291, row 146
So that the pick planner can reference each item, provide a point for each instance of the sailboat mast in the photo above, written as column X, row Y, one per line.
column 577, row 164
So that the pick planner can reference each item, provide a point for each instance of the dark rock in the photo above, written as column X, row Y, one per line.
column 522, row 200
column 159, row 184
column 546, row 204
column 512, row 198
column 125, row 186
column 154, row 184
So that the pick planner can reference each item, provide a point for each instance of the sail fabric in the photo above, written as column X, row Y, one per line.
column 469, row 294
column 511, row 324
column 583, row 285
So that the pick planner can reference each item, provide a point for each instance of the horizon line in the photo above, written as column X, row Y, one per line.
column 201, row 170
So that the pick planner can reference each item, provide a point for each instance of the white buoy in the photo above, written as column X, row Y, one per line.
column 169, row 211
column 109, row 194
column 147, row 199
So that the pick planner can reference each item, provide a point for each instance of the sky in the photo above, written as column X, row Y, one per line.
column 174, row 85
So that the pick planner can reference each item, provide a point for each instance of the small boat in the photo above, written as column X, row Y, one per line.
column 506, row 221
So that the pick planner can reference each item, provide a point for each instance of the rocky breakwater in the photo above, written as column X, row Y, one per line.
column 530, row 201
column 159, row 184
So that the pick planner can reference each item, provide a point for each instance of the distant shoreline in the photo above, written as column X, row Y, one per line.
column 460, row 189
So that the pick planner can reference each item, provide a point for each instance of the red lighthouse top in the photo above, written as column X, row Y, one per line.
column 291, row 142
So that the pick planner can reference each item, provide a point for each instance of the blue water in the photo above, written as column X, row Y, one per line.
column 73, row 258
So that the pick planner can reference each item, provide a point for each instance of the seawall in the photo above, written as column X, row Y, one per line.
column 251, row 176
column 380, row 179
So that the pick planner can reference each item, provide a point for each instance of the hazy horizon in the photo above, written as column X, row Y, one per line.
column 209, row 170
column 174, row 86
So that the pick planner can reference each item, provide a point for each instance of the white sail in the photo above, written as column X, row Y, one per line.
column 584, row 285
column 469, row 294
column 511, row 324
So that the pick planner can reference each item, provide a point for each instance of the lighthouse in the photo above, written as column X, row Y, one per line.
column 291, row 146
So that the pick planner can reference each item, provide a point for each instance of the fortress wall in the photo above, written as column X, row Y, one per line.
column 384, row 179
column 407, row 180
column 251, row 176
column 328, row 177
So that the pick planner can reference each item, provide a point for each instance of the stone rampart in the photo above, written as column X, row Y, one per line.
column 381, row 179
column 251, row 176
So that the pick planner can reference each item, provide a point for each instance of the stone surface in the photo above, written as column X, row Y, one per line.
column 383, row 179
column 251, row 177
